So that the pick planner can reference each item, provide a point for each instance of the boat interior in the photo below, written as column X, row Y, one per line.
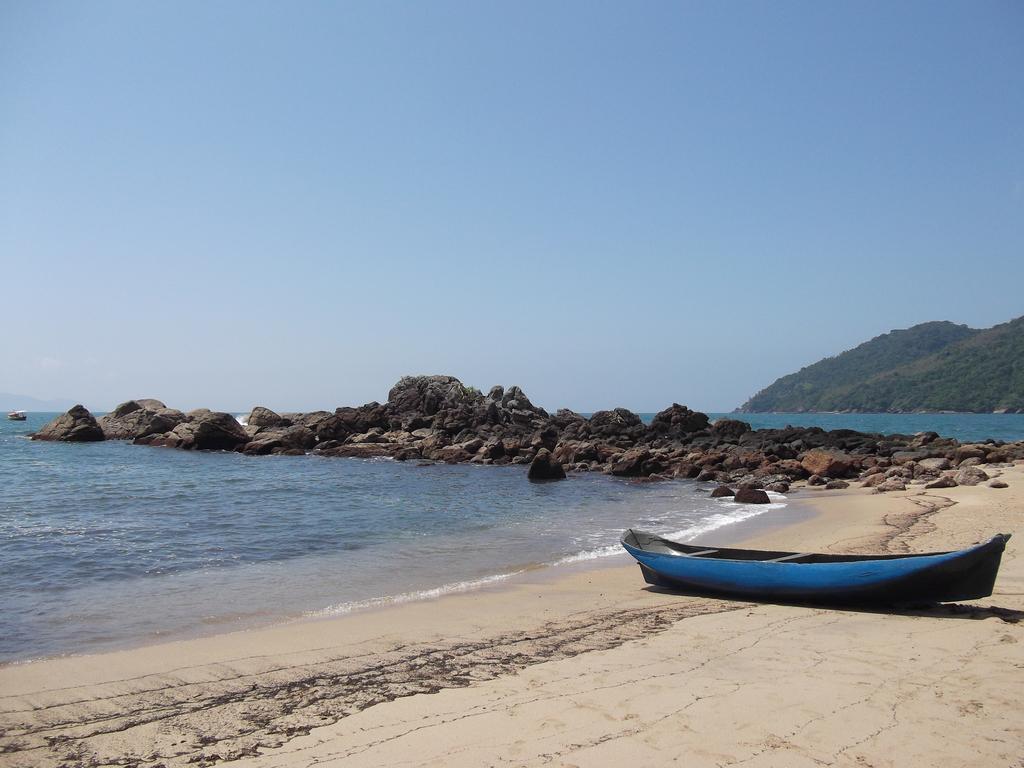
column 648, row 542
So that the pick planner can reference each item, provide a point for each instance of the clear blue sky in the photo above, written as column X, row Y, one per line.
column 293, row 204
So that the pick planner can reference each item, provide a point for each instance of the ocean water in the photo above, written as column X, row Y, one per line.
column 105, row 545
column 965, row 427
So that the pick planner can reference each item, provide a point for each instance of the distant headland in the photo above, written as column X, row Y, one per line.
column 431, row 419
column 931, row 367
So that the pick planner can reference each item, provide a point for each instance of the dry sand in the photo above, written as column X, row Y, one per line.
column 579, row 666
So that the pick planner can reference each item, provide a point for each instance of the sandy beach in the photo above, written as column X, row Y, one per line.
column 579, row 665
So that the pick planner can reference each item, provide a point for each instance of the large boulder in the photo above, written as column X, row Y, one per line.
column 970, row 451
column 618, row 422
column 204, row 430
column 677, row 421
column 264, row 417
column 630, row 463
column 936, row 464
column 427, row 395
column 75, row 426
column 544, row 467
column 730, row 430
column 444, row 402
column 827, row 463
column 139, row 418
column 970, row 476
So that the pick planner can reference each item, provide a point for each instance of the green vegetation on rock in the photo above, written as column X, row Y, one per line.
column 937, row 366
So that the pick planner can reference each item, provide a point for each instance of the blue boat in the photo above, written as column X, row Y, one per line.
column 966, row 574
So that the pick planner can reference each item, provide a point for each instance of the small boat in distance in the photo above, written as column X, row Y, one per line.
column 750, row 574
column 17, row 416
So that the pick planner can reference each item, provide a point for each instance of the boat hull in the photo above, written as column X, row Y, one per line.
column 967, row 574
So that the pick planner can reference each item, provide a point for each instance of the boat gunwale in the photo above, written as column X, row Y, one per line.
column 629, row 539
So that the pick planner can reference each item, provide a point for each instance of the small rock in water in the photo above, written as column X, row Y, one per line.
column 752, row 496
column 722, row 490
column 544, row 467
column 833, row 485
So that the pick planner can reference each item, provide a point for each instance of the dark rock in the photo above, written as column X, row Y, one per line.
column 722, row 490
column 619, row 421
column 789, row 467
column 816, row 480
column 124, row 409
column 677, row 421
column 262, row 447
column 778, row 487
column 205, row 430
column 837, row 484
column 264, row 417
column 751, row 496
column 902, row 457
column 729, row 429
column 428, row 395
column 75, row 426
column 544, row 467
column 564, row 418
column 630, row 463
column 998, row 484
column 946, row 481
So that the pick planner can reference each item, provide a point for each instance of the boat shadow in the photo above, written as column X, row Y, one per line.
column 927, row 610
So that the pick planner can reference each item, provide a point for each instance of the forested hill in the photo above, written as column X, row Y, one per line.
column 937, row 366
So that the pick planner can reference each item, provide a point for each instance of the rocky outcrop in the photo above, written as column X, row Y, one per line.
column 439, row 419
column 75, row 426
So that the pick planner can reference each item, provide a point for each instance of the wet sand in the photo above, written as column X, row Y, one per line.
column 579, row 665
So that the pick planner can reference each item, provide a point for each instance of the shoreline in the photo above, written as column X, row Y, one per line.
column 528, row 658
column 762, row 518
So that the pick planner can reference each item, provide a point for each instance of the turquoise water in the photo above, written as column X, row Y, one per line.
column 965, row 427
column 108, row 544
